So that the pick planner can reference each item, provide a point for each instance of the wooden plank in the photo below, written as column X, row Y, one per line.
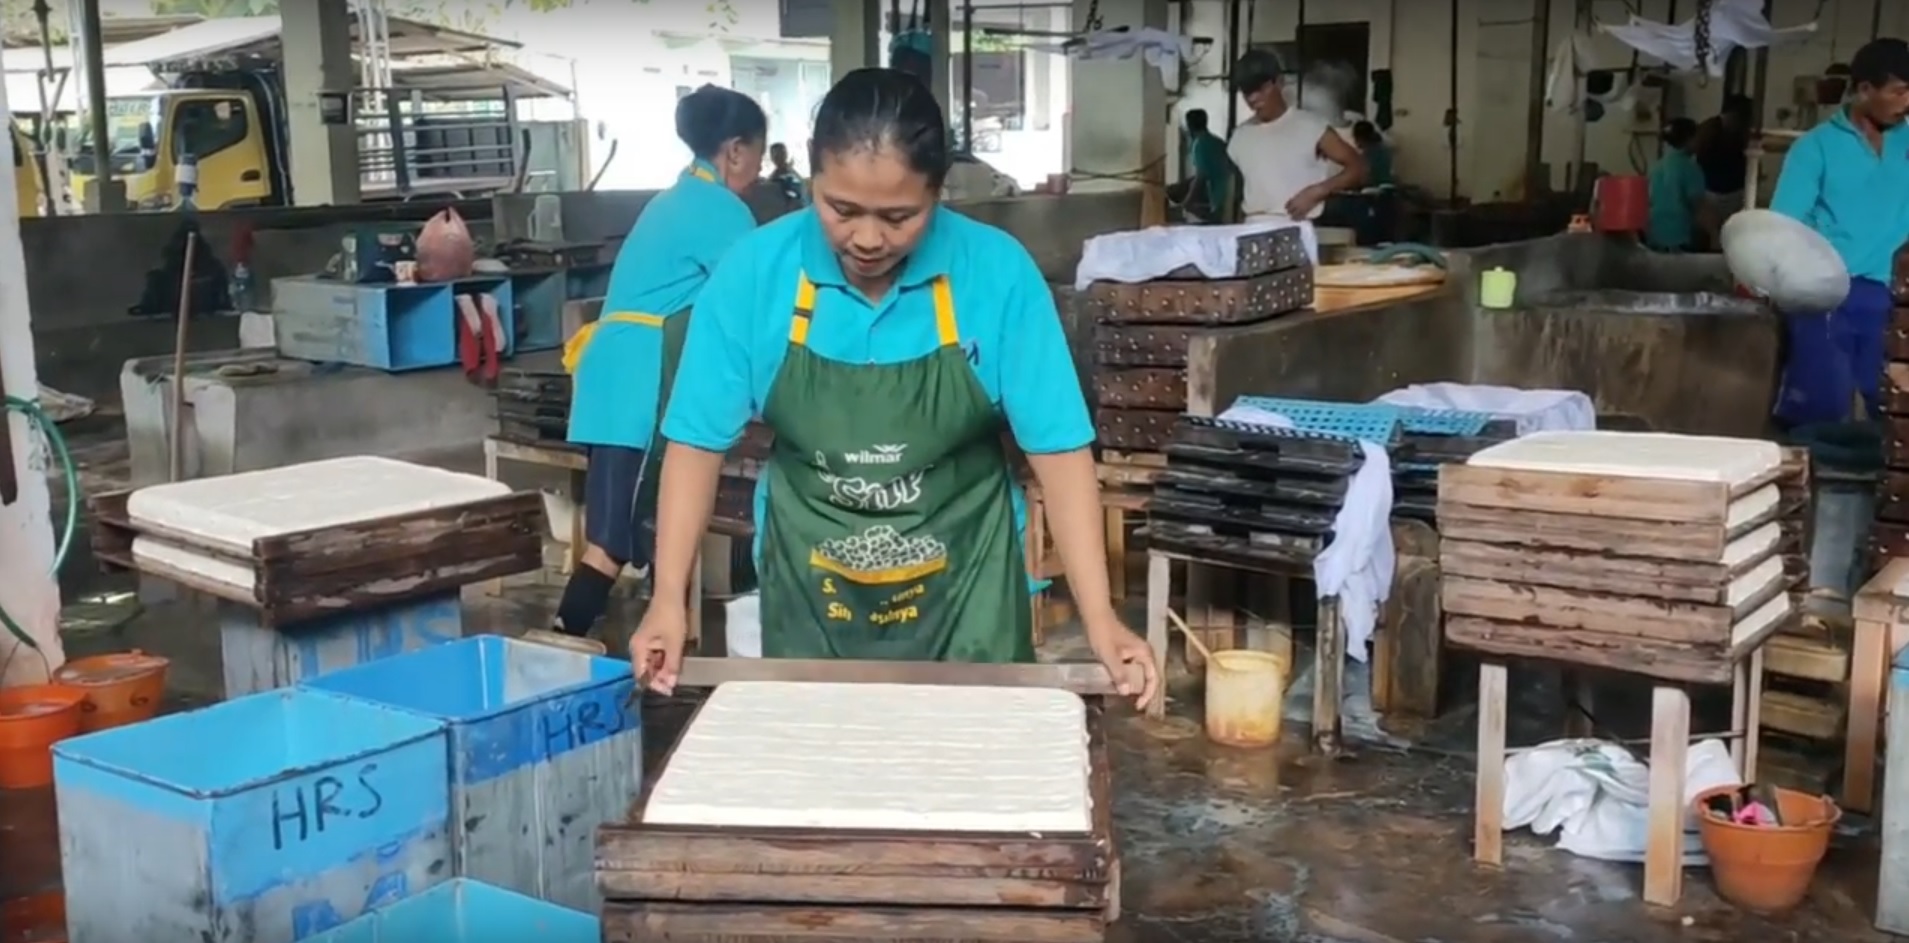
column 1652, row 658
column 391, row 538
column 1892, row 908
column 1590, row 571
column 1488, row 802
column 746, row 923
column 1797, row 656
column 1803, row 716
column 1644, row 499
column 1412, row 640
column 1694, row 542
column 1084, row 678
column 1141, row 388
column 1664, row 838
column 1570, row 611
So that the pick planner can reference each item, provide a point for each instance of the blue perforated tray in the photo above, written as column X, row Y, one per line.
column 1440, row 421
column 1366, row 422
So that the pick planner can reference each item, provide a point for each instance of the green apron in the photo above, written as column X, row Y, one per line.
column 889, row 531
column 675, row 330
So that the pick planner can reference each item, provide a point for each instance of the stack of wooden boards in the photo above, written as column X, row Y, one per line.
column 1430, row 440
column 533, row 406
column 1143, row 331
column 1251, row 496
column 1654, row 554
column 1890, row 537
column 868, row 838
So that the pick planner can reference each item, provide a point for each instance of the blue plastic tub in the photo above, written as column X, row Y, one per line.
column 466, row 911
column 272, row 817
column 545, row 746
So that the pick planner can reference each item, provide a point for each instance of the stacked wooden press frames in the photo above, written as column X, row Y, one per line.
column 1143, row 331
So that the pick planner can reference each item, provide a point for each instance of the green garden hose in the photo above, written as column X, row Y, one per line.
column 38, row 419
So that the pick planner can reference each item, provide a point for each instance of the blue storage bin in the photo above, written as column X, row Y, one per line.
column 269, row 819
column 384, row 327
column 545, row 746
column 466, row 911
column 539, row 298
column 587, row 281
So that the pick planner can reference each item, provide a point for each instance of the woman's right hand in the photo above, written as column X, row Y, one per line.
column 656, row 650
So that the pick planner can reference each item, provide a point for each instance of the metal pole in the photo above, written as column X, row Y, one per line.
column 967, row 77
column 1232, row 57
column 1534, row 110
column 1451, row 123
column 92, row 52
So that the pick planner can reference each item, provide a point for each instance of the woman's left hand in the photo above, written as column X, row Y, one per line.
column 1120, row 651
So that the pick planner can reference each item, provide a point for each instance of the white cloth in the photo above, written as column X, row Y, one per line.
column 1146, row 254
column 1783, row 260
column 1157, row 47
column 1279, row 158
column 1532, row 410
column 1734, row 24
column 1596, row 795
column 1357, row 566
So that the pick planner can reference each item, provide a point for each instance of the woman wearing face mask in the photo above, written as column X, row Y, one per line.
column 887, row 341
column 625, row 362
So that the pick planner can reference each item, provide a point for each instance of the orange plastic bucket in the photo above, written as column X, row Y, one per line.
column 40, row 918
column 120, row 689
column 33, row 717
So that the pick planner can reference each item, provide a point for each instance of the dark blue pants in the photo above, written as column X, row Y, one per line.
column 1835, row 357
column 612, row 516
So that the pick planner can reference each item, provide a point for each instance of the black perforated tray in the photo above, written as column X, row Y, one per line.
column 1265, row 551
column 1247, row 516
column 1290, row 488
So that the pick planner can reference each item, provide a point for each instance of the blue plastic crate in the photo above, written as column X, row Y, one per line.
column 466, row 911
column 256, row 657
column 587, row 281
column 539, row 298
column 384, row 327
column 545, row 746
column 267, row 818
column 1367, row 422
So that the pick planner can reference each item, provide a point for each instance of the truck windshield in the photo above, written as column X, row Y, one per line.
column 124, row 115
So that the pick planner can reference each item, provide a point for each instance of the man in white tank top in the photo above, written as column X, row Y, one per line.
column 1289, row 159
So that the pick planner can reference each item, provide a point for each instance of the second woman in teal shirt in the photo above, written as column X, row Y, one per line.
column 624, row 364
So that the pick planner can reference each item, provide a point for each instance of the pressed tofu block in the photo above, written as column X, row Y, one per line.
column 772, row 754
column 1657, row 455
column 228, row 513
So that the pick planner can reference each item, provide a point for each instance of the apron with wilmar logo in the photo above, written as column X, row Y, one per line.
column 889, row 531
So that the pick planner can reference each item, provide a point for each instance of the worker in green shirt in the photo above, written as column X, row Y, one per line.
column 1210, row 192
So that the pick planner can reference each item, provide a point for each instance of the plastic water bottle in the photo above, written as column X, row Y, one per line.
column 241, row 287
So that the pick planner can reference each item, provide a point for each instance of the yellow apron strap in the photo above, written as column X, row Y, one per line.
column 701, row 174
column 579, row 342
column 945, row 326
column 804, row 310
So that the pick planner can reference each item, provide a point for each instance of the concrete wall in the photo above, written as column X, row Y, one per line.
column 1706, row 365
column 1492, row 50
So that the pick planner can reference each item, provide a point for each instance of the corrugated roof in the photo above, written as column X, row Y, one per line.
column 259, row 36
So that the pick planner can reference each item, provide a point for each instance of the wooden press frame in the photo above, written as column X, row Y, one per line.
column 697, row 884
column 1579, row 511
column 1882, row 632
column 313, row 573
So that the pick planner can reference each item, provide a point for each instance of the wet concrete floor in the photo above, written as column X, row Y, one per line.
column 1220, row 845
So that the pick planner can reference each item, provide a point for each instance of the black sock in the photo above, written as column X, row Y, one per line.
column 584, row 599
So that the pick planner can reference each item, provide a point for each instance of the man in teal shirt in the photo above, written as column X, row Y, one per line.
column 622, row 364
column 1848, row 179
column 1676, row 191
column 1211, row 188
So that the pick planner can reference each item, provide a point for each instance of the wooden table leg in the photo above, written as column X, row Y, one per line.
column 1488, row 803
column 1116, row 523
column 494, row 587
column 1034, row 544
column 1753, row 717
column 1664, row 838
column 1329, row 665
column 573, row 558
column 696, row 601
column 1159, row 595
column 1868, row 674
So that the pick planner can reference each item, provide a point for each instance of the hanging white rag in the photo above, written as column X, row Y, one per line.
column 1596, row 795
column 1357, row 566
column 1532, row 410
column 1734, row 24
column 1157, row 47
column 1146, row 254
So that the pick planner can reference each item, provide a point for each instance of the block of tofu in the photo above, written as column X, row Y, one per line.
column 1656, row 455
column 932, row 758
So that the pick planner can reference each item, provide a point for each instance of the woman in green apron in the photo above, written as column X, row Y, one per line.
column 623, row 363
column 888, row 342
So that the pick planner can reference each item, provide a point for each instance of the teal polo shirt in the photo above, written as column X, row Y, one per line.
column 1857, row 198
column 1004, row 310
column 671, row 251
column 1676, row 187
